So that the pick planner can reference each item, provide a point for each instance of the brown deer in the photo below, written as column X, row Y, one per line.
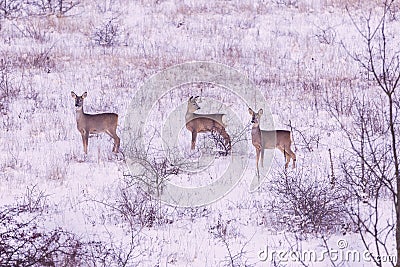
column 262, row 139
column 201, row 123
column 95, row 123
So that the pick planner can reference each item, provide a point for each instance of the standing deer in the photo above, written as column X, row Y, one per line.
column 95, row 123
column 262, row 139
column 201, row 123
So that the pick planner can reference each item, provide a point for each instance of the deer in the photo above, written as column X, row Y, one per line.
column 201, row 123
column 262, row 139
column 95, row 123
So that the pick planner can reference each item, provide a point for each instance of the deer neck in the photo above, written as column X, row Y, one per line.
column 79, row 114
column 189, row 116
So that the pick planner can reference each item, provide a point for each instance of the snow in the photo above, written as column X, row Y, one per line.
column 275, row 45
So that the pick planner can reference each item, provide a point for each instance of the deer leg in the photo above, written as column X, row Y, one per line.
column 117, row 141
column 194, row 136
column 257, row 159
column 262, row 157
column 114, row 135
column 85, row 137
column 289, row 154
column 292, row 156
column 227, row 139
column 285, row 155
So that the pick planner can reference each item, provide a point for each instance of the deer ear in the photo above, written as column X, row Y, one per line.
column 251, row 111
column 260, row 111
column 73, row 94
column 190, row 98
column 84, row 95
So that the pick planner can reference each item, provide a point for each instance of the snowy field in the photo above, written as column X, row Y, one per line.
column 60, row 207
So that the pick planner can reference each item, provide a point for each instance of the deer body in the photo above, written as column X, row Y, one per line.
column 201, row 123
column 95, row 123
column 262, row 139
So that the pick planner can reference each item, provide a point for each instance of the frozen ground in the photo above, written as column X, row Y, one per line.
column 293, row 52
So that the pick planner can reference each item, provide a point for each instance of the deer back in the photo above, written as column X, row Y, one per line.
column 272, row 139
column 97, row 122
column 205, row 122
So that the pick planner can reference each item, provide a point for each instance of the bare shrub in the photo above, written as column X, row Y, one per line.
column 9, row 89
column 336, row 97
column 140, row 208
column 223, row 230
column 236, row 137
column 307, row 138
column 313, row 88
column 287, row 3
column 17, row 8
column 304, row 204
column 22, row 243
column 57, row 172
column 394, row 12
column 219, row 143
column 153, row 166
column 35, row 58
column 34, row 200
column 326, row 35
column 107, row 34
column 10, row 8
column 35, row 30
column 136, row 209
column 48, row 7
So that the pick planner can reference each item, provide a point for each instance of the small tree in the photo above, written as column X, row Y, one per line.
column 371, row 166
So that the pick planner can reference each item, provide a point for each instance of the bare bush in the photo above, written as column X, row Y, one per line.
column 219, row 143
column 9, row 89
column 17, row 8
column 33, row 29
column 140, row 208
column 56, row 7
column 308, row 139
column 154, row 173
column 22, row 243
column 152, row 167
column 304, row 204
column 326, row 35
column 236, row 137
column 223, row 231
column 394, row 12
column 287, row 3
column 34, row 200
column 107, row 34
column 10, row 8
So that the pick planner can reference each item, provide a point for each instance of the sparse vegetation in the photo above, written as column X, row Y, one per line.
column 308, row 205
column 328, row 79
column 106, row 35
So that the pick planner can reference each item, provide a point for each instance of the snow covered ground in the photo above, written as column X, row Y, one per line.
column 292, row 51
